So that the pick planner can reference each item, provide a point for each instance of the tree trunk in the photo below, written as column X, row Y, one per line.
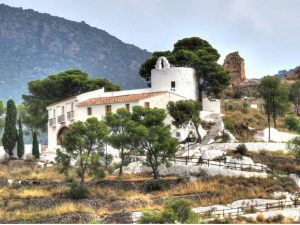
column 122, row 161
column 155, row 173
column 199, row 139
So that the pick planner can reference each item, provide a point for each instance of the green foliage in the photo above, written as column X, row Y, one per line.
column 20, row 142
column 175, row 211
column 77, row 192
column 156, row 185
column 275, row 96
column 120, row 138
column 10, row 134
column 292, row 123
column 229, row 124
column 199, row 54
column 294, row 146
column 55, row 88
column 241, row 149
column 35, row 146
column 294, row 96
column 182, row 210
column 83, row 142
column 184, row 112
column 64, row 162
column 237, row 94
column 2, row 111
column 151, row 137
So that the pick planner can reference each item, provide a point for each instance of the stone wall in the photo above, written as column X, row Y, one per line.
column 236, row 65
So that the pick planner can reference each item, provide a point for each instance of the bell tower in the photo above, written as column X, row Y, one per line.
column 179, row 80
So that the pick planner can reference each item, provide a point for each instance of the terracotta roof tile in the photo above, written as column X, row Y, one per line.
column 120, row 99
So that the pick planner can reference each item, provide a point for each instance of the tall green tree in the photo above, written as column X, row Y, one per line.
column 55, row 88
column 2, row 111
column 294, row 96
column 184, row 112
column 275, row 97
column 10, row 134
column 199, row 54
column 119, row 136
column 20, row 143
column 83, row 142
column 35, row 146
column 151, row 137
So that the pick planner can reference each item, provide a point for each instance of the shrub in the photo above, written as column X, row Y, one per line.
column 294, row 146
column 292, row 123
column 229, row 124
column 77, row 192
column 156, row 185
column 154, row 217
column 182, row 210
column 241, row 149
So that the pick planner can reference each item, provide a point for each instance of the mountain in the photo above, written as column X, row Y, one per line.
column 34, row 45
column 284, row 73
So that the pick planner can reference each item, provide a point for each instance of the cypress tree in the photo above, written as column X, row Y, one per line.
column 20, row 148
column 10, row 134
column 35, row 146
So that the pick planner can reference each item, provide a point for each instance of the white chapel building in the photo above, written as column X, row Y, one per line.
column 167, row 84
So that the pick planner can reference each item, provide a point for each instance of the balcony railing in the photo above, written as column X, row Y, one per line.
column 61, row 119
column 52, row 122
column 70, row 115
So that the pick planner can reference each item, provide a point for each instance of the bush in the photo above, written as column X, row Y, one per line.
column 77, row 192
column 292, row 123
column 156, row 185
column 175, row 211
column 294, row 146
column 241, row 149
column 229, row 124
column 182, row 210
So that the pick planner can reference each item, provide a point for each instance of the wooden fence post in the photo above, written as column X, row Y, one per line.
column 186, row 160
column 208, row 162
column 267, row 207
column 223, row 212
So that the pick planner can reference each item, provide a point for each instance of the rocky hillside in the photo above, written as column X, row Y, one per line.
column 34, row 45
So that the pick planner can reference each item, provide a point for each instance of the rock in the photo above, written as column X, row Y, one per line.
column 296, row 178
column 212, row 154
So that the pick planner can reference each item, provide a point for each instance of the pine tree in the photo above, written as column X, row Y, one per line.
column 20, row 149
column 10, row 134
column 35, row 146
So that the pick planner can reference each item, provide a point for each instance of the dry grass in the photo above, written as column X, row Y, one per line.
column 31, row 192
column 34, row 213
column 30, row 173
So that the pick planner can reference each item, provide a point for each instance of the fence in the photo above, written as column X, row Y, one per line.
column 221, row 163
column 280, row 205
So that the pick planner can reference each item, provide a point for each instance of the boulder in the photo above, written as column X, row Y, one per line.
column 212, row 154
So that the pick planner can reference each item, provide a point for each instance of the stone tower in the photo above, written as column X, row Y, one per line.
column 236, row 65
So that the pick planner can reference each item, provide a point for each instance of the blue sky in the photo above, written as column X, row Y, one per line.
column 265, row 32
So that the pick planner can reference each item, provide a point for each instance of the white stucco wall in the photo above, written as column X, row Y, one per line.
column 27, row 152
column 185, row 81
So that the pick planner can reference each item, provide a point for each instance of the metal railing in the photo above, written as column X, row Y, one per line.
column 61, row 119
column 52, row 122
column 70, row 115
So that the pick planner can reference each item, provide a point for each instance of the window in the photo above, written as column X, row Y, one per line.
column 53, row 113
column 178, row 134
column 89, row 111
column 72, row 106
column 173, row 85
column 62, row 110
column 108, row 109
column 127, row 106
column 147, row 105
